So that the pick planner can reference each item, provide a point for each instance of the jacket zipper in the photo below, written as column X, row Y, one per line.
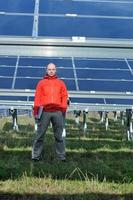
column 52, row 96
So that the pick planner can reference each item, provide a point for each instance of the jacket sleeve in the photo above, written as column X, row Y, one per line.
column 37, row 99
column 64, row 97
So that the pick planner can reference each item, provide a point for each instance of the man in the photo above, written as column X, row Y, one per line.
column 51, row 95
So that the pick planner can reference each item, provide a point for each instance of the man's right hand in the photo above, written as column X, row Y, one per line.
column 37, row 120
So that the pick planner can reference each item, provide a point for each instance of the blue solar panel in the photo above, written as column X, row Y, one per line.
column 87, row 100
column 6, row 83
column 26, row 83
column 70, row 84
column 86, row 27
column 119, row 101
column 104, row 74
column 100, row 63
column 102, row 85
column 104, row 8
column 6, row 71
column 30, row 83
column 40, row 72
column 20, row 6
column 8, row 61
column 32, row 62
column 65, row 62
column 31, row 72
column 13, row 98
column 86, row 74
column 97, row 19
column 65, row 73
column 16, row 25
column 94, row 19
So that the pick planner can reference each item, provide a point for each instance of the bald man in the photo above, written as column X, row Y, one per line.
column 51, row 95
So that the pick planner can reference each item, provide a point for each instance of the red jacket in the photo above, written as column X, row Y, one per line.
column 51, row 93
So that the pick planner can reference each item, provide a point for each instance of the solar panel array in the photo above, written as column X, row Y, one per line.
column 61, row 18
column 80, row 74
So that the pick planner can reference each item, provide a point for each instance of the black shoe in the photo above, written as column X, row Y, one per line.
column 63, row 160
column 35, row 160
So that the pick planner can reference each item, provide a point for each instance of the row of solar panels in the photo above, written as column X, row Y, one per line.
column 13, row 25
column 64, row 62
column 78, row 73
column 105, row 75
column 85, row 85
column 79, row 7
column 99, row 19
column 68, row 73
column 94, row 101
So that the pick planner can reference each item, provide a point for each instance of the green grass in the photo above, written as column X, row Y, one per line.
column 99, row 165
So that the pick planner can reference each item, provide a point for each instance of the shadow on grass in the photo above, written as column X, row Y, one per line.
column 19, row 140
column 98, row 157
column 96, row 143
column 16, row 142
column 114, row 166
column 8, row 126
column 85, row 196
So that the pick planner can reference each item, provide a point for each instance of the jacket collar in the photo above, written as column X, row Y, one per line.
column 50, row 77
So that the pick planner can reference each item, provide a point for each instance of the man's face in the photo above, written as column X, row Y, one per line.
column 51, row 69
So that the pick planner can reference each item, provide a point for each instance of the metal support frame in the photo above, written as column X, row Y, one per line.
column 106, row 121
column 28, row 105
column 122, row 118
column 129, row 115
column 72, row 94
column 73, row 106
column 66, row 47
column 85, row 122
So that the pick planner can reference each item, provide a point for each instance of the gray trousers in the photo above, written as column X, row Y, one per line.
column 56, row 118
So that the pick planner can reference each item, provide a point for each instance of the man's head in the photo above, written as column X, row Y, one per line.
column 51, row 69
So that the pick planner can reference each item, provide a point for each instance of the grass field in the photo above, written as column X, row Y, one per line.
column 99, row 166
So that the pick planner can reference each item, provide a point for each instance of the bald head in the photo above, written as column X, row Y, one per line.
column 51, row 69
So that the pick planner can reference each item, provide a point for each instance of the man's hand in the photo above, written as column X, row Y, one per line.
column 37, row 121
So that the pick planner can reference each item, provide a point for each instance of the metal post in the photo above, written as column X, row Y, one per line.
column 122, row 117
column 129, row 124
column 115, row 116
column 106, row 121
column 101, row 113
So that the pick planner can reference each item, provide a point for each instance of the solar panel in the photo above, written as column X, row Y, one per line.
column 25, row 83
column 91, row 75
column 8, row 61
column 85, row 27
column 6, row 83
column 104, row 74
column 106, row 85
column 13, row 25
column 104, row 8
column 119, row 101
column 83, row 18
column 30, row 72
column 97, row 19
column 65, row 19
column 100, row 63
column 88, row 100
column 43, row 62
column 6, row 71
column 19, row 6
